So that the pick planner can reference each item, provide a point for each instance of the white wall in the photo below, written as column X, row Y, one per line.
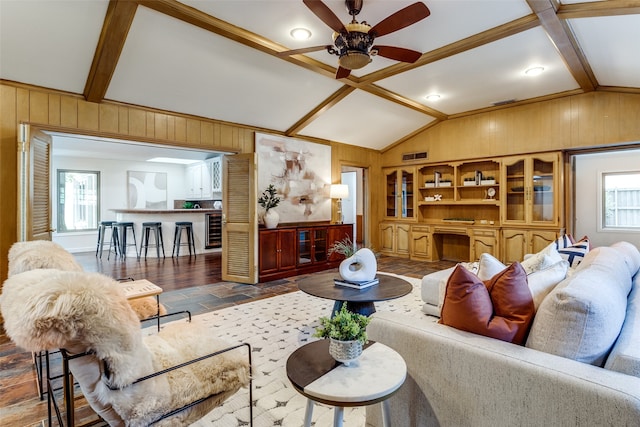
column 113, row 191
column 588, row 169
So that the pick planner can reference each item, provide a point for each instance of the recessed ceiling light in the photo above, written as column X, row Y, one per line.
column 534, row 71
column 172, row 160
column 300, row 33
column 432, row 97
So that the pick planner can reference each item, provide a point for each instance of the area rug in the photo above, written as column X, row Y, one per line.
column 275, row 327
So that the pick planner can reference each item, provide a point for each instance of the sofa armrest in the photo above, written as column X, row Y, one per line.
column 456, row 378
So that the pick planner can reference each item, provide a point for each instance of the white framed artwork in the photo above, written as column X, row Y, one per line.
column 301, row 173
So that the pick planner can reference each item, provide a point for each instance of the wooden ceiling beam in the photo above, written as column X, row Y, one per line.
column 115, row 28
column 336, row 97
column 600, row 8
column 477, row 40
column 561, row 36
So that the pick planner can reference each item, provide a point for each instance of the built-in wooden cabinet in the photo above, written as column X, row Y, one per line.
column 394, row 238
column 420, row 244
column 298, row 249
column 516, row 243
column 506, row 207
column 531, row 190
column 459, row 193
column 400, row 193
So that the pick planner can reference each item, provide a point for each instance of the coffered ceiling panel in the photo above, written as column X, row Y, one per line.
column 49, row 43
column 488, row 74
column 208, row 75
column 608, row 43
column 367, row 121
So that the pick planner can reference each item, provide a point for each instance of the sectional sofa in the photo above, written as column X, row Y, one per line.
column 579, row 365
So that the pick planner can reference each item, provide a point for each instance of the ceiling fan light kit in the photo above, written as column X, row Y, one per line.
column 353, row 42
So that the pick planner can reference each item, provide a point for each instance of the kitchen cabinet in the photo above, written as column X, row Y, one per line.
column 483, row 241
column 531, row 190
column 400, row 197
column 215, row 170
column 298, row 249
column 198, row 180
column 421, row 241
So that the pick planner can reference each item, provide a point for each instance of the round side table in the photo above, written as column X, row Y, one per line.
column 373, row 378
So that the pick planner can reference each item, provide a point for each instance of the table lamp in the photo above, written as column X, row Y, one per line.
column 339, row 191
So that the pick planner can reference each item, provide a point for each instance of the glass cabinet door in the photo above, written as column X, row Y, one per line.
column 304, row 246
column 391, row 202
column 320, row 245
column 406, row 195
column 542, row 197
column 515, row 191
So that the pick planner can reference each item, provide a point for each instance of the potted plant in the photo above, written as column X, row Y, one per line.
column 347, row 332
column 469, row 181
column 488, row 180
column 269, row 200
column 445, row 183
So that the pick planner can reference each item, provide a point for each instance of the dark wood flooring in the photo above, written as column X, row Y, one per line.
column 189, row 283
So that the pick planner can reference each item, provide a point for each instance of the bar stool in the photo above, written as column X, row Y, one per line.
column 122, row 229
column 147, row 228
column 177, row 235
column 102, row 230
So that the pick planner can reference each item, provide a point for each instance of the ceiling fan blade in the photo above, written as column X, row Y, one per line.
column 398, row 53
column 325, row 14
column 401, row 19
column 301, row 50
column 342, row 73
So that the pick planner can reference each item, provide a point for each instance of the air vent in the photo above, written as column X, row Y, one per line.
column 422, row 155
column 508, row 101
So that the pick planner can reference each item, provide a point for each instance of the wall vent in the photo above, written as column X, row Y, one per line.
column 422, row 155
column 508, row 101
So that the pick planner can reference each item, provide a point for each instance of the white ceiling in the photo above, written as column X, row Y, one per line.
column 474, row 55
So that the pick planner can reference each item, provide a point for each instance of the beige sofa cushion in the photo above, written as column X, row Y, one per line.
column 582, row 317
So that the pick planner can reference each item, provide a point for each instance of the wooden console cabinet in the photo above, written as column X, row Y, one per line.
column 291, row 250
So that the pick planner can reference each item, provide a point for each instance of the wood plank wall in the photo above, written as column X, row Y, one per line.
column 53, row 110
column 594, row 119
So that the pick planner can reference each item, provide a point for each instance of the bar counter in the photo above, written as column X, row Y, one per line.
column 168, row 218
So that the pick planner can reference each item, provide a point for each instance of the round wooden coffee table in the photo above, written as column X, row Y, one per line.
column 358, row 300
column 376, row 375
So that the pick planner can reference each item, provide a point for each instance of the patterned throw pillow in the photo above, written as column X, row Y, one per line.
column 501, row 307
column 575, row 252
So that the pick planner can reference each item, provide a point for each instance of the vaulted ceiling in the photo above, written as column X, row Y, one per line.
column 221, row 59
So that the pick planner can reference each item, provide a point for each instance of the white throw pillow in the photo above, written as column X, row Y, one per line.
column 541, row 260
column 543, row 281
column 489, row 266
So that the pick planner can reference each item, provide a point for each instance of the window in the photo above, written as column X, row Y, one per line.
column 78, row 196
column 621, row 200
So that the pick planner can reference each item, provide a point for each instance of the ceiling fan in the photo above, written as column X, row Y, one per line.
column 353, row 42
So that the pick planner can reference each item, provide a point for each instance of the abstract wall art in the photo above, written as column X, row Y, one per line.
column 300, row 171
column 147, row 190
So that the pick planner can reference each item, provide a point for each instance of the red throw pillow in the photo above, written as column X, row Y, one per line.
column 501, row 308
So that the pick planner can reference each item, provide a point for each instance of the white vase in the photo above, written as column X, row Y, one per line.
column 345, row 351
column 360, row 267
column 271, row 218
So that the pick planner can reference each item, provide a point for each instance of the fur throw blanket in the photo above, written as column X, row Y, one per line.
column 47, row 309
column 35, row 254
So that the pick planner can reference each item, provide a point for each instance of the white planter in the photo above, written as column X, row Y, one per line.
column 429, row 184
column 445, row 184
column 488, row 182
column 345, row 351
column 468, row 183
column 271, row 219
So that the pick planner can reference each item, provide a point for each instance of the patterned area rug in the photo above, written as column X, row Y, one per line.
column 275, row 327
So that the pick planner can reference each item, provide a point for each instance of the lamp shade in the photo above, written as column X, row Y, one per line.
column 339, row 191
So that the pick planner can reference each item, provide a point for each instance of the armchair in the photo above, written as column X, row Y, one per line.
column 127, row 379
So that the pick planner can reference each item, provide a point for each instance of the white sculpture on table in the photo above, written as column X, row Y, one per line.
column 360, row 267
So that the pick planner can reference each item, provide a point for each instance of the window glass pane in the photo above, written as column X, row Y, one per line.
column 78, row 196
column 621, row 200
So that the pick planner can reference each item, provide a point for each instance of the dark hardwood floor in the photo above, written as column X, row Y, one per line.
column 189, row 283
